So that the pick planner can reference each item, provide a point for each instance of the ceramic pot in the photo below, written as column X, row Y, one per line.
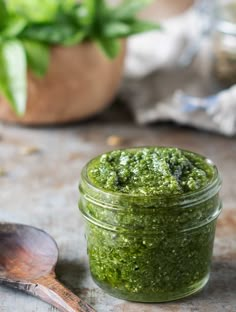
column 81, row 81
column 164, row 9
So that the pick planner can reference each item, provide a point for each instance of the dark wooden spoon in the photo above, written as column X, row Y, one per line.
column 27, row 261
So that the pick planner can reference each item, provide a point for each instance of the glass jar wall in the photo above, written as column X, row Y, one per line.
column 150, row 248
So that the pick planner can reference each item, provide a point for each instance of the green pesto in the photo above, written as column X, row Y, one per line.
column 147, row 241
column 150, row 171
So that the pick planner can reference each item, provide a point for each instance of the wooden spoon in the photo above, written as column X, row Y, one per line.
column 27, row 261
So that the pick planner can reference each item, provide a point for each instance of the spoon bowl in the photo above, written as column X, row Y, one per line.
column 27, row 262
column 26, row 252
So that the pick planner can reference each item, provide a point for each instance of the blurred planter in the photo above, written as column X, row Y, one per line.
column 163, row 9
column 80, row 82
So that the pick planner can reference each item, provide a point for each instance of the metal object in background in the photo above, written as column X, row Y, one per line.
column 225, row 41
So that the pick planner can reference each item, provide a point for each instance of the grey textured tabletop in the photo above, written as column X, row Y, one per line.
column 39, row 187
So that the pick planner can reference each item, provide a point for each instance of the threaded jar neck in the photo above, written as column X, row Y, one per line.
column 178, row 212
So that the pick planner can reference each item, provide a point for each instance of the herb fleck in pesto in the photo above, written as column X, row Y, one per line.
column 150, row 234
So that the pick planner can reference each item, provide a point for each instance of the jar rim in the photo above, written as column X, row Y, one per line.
column 209, row 190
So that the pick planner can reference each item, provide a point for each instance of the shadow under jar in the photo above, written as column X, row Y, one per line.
column 150, row 248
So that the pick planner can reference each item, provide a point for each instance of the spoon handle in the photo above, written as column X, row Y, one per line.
column 52, row 291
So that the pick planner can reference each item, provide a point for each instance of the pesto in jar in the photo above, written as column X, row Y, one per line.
column 151, row 221
column 150, row 171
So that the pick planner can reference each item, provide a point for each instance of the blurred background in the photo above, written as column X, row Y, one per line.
column 183, row 72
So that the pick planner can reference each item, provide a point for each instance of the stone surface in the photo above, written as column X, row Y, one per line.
column 40, row 188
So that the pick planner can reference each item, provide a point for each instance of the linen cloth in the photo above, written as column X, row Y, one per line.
column 169, row 77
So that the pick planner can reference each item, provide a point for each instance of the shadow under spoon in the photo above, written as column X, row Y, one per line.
column 28, row 257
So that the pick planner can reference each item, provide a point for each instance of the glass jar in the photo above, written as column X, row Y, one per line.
column 225, row 41
column 150, row 248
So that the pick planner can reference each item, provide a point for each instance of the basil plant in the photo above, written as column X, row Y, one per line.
column 29, row 28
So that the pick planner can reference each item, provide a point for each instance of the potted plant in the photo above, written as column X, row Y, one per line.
column 61, row 60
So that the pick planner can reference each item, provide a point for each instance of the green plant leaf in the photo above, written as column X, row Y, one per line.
column 116, row 30
column 3, row 14
column 38, row 55
column 14, row 27
column 139, row 26
column 129, row 8
column 13, row 74
column 83, row 16
column 111, row 47
column 67, row 5
column 34, row 10
column 90, row 11
column 90, row 6
column 75, row 39
column 101, row 7
column 55, row 33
